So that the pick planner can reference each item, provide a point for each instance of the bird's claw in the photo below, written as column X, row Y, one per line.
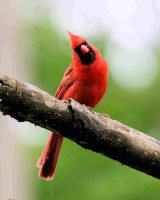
column 105, row 115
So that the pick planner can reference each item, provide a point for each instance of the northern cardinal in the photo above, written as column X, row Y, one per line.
column 85, row 81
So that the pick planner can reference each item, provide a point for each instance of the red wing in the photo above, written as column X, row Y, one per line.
column 67, row 81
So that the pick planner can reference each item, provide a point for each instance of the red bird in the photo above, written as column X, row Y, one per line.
column 85, row 81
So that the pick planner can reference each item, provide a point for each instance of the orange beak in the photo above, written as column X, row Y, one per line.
column 84, row 49
column 75, row 40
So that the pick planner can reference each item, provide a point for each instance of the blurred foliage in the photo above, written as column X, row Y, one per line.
column 83, row 174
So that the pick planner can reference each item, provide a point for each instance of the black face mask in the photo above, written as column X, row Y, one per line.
column 86, row 58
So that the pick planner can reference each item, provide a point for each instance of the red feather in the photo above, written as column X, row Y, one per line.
column 85, row 81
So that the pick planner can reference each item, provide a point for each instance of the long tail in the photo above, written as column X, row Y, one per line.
column 48, row 159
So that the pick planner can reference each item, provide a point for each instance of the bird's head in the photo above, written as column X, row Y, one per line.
column 85, row 51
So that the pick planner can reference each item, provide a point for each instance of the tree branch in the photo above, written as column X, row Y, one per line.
column 80, row 124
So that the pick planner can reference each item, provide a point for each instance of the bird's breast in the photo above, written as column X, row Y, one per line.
column 88, row 92
column 90, row 83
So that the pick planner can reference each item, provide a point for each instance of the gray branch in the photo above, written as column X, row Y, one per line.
column 80, row 124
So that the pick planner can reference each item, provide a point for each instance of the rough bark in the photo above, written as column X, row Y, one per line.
column 80, row 124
